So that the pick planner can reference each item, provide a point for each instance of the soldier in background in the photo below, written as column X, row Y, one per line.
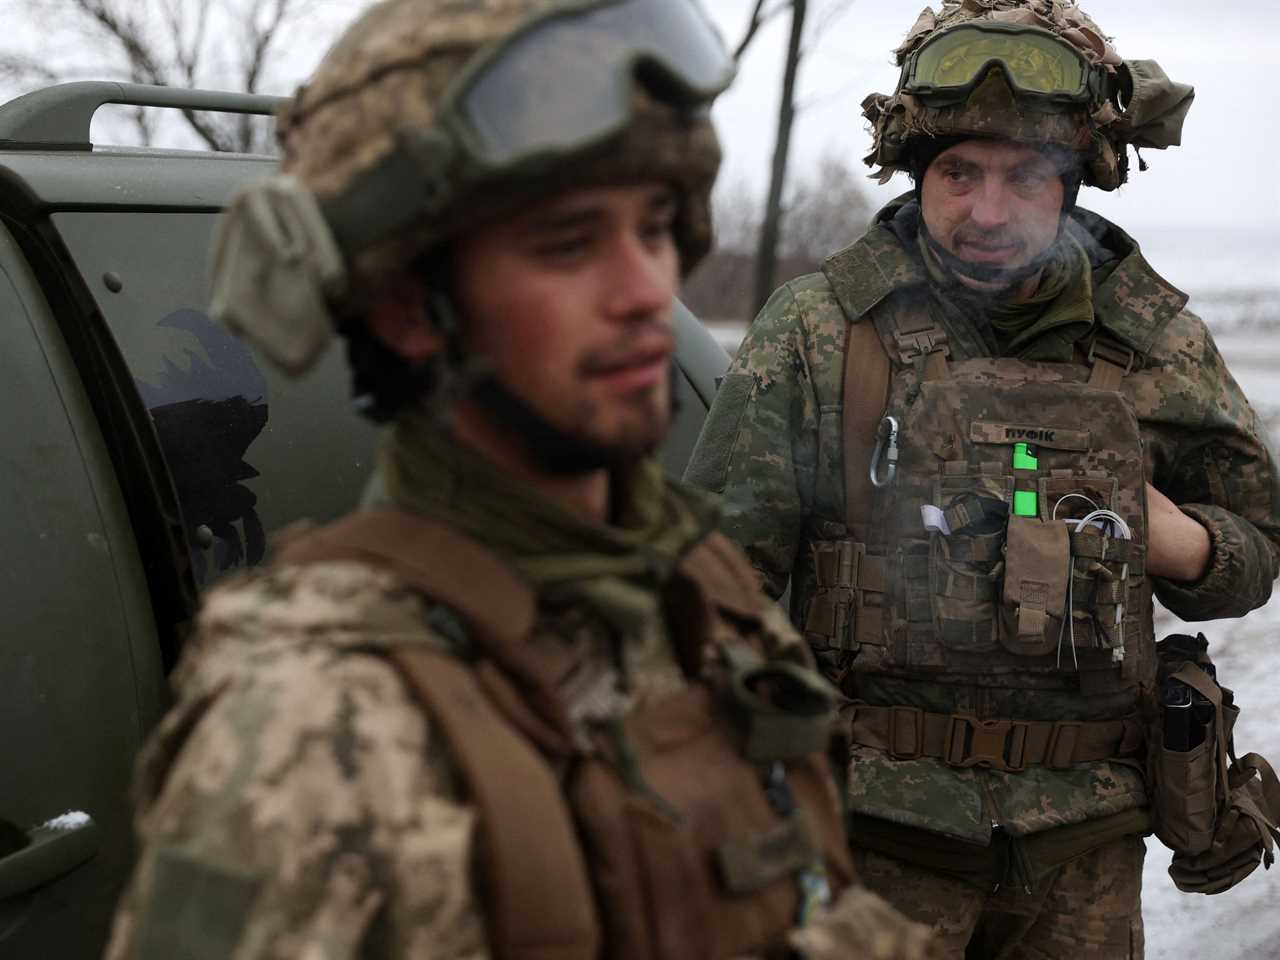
column 976, row 444
column 529, row 704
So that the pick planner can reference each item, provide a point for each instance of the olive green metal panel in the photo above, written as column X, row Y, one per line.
column 80, row 676
column 133, row 179
column 249, row 450
column 700, row 361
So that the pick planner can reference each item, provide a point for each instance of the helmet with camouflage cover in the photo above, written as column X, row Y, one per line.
column 1117, row 102
column 383, row 163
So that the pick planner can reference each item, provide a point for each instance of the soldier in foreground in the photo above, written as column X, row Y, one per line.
column 976, row 444
column 528, row 704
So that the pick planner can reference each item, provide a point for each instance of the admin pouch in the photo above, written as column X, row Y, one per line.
column 1216, row 811
column 703, row 824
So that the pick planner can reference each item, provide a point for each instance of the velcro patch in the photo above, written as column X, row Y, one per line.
column 193, row 910
column 1055, row 438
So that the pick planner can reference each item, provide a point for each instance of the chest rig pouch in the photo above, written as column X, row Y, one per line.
column 1015, row 525
column 703, row 824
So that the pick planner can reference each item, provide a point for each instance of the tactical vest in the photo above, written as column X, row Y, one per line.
column 1005, row 547
column 706, row 827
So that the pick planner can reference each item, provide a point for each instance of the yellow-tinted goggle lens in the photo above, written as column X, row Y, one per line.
column 1034, row 62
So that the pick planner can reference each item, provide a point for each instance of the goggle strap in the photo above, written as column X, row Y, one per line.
column 407, row 184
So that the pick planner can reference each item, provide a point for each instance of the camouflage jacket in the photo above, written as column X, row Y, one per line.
column 297, row 802
column 772, row 446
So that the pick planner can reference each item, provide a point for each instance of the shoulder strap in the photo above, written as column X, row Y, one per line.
column 724, row 576
column 539, row 897
column 540, row 902
column 498, row 607
column 866, row 394
column 430, row 557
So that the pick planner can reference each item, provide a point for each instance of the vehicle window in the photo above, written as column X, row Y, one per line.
column 248, row 449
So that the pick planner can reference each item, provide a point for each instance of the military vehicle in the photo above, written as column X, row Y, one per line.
column 145, row 453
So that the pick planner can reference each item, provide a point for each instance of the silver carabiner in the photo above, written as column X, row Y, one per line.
column 886, row 445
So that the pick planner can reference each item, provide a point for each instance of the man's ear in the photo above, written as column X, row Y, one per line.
column 401, row 320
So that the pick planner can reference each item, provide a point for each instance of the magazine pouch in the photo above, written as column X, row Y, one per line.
column 1217, row 812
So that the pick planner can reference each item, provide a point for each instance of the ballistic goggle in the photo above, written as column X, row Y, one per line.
column 1037, row 65
column 558, row 85
column 565, row 81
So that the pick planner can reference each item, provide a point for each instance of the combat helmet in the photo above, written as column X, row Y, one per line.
column 428, row 117
column 1032, row 71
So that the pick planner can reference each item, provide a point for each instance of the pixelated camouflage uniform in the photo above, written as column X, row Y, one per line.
column 772, row 446
column 298, row 802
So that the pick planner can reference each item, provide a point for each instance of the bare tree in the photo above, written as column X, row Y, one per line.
column 767, row 256
column 224, row 44
column 825, row 211
column 766, row 260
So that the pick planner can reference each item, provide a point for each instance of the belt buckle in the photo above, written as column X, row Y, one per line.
column 972, row 742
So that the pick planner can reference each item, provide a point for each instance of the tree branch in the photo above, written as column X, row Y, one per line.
column 759, row 17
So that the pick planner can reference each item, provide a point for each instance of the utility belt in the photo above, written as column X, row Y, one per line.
column 962, row 740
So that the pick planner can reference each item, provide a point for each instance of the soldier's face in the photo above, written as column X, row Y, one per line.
column 992, row 202
column 571, row 303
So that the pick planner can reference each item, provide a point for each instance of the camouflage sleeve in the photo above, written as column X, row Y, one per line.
column 299, row 807
column 1211, row 457
column 758, row 447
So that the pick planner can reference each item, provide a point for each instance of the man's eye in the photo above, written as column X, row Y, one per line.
column 1029, row 178
column 562, row 248
column 658, row 230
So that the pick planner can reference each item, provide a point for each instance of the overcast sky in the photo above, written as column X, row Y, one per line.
column 1224, row 181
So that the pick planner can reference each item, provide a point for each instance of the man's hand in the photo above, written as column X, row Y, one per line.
column 1178, row 547
column 862, row 925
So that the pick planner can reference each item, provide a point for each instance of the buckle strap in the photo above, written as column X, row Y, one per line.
column 921, row 342
column 1111, row 362
column 963, row 740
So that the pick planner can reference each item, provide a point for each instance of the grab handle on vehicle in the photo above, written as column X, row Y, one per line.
column 58, row 117
column 51, row 850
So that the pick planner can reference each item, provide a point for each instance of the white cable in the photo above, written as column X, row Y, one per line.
column 1116, row 523
column 1071, row 496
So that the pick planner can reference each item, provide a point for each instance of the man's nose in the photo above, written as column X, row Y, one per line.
column 642, row 280
column 990, row 204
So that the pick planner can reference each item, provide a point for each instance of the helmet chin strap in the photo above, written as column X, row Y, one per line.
column 986, row 272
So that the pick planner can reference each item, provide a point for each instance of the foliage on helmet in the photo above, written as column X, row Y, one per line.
column 1145, row 108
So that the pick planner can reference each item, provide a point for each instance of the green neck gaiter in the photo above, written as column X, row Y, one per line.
column 1060, row 310
column 616, row 569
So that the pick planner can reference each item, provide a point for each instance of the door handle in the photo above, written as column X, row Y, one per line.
column 51, row 850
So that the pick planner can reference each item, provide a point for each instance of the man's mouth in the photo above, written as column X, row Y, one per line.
column 987, row 251
column 640, row 367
